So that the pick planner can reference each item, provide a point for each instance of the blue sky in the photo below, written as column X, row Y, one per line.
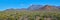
column 5, row 4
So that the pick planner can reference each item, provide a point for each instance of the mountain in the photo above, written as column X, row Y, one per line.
column 37, row 8
column 22, row 9
column 11, row 9
column 34, row 7
column 49, row 8
column 43, row 8
column 58, row 7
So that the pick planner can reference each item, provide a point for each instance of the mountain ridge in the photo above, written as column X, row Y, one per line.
column 39, row 7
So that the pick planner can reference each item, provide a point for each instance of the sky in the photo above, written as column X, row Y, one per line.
column 6, row 4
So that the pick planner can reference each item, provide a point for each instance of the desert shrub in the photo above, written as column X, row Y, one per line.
column 31, row 14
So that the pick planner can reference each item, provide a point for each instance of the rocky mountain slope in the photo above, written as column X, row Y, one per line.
column 38, row 8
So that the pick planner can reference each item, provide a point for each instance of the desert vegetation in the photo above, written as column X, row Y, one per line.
column 29, row 15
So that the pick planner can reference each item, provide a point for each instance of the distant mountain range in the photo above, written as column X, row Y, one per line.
column 39, row 7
